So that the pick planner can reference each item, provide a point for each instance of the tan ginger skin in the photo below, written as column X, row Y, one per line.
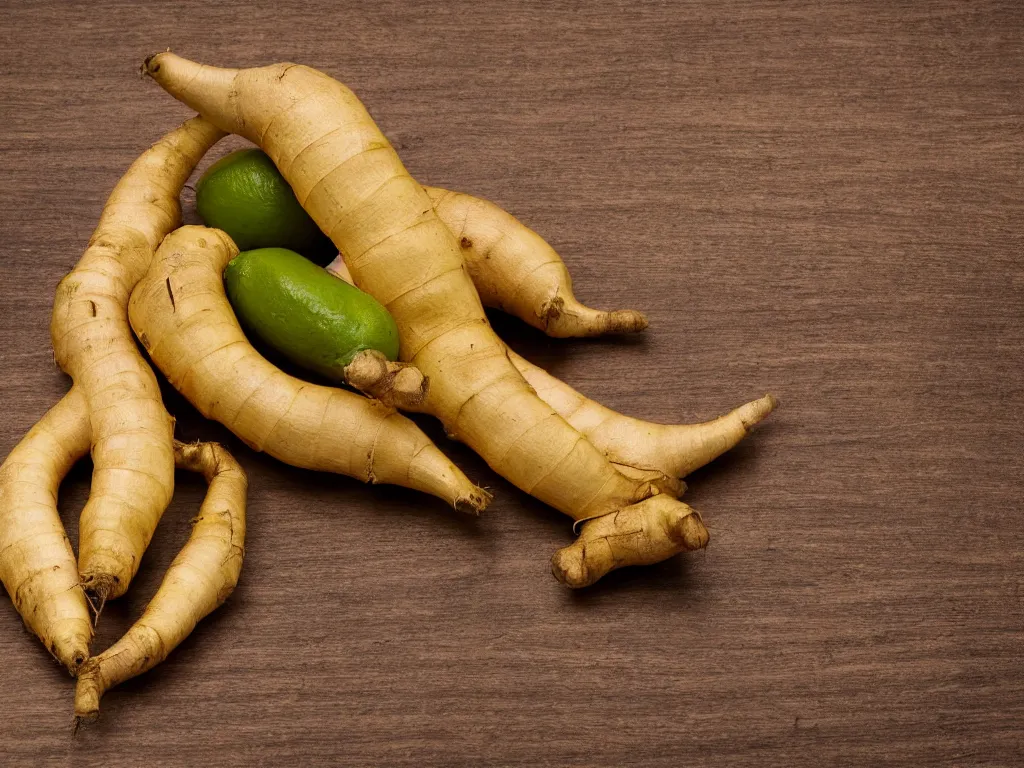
column 201, row 577
column 182, row 317
column 37, row 564
column 674, row 450
column 114, row 409
column 350, row 180
column 661, row 454
column 133, row 458
column 516, row 271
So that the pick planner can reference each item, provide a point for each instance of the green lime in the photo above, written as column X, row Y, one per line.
column 311, row 317
column 246, row 196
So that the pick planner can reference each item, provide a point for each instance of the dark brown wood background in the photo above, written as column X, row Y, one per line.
column 821, row 202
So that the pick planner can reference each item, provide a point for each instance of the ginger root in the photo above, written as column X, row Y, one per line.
column 37, row 564
column 674, row 450
column 199, row 580
column 133, row 475
column 395, row 384
column 516, row 271
column 643, row 534
column 182, row 317
column 352, row 183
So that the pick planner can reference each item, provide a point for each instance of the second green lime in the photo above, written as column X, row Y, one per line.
column 304, row 312
column 246, row 196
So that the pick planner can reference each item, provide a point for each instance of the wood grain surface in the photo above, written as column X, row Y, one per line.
column 819, row 200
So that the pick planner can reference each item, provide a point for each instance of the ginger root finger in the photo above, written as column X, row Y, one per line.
column 133, row 475
column 659, row 454
column 516, row 271
column 37, row 564
column 675, row 450
column 199, row 580
column 399, row 385
column 643, row 534
column 566, row 401
column 352, row 183
column 182, row 317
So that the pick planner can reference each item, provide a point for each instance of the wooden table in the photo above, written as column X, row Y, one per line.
column 821, row 202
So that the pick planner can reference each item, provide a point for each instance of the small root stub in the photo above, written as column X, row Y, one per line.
column 760, row 409
column 474, row 503
column 625, row 321
column 642, row 534
column 76, row 723
column 568, row 318
column 77, row 661
column 88, row 692
column 149, row 66
column 98, row 587
column 71, row 652
column 395, row 384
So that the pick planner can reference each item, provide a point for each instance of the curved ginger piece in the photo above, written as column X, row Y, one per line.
column 183, row 319
column 199, row 580
column 37, row 564
column 661, row 454
column 133, row 475
column 350, row 180
column 674, row 450
column 395, row 384
column 644, row 534
column 516, row 271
